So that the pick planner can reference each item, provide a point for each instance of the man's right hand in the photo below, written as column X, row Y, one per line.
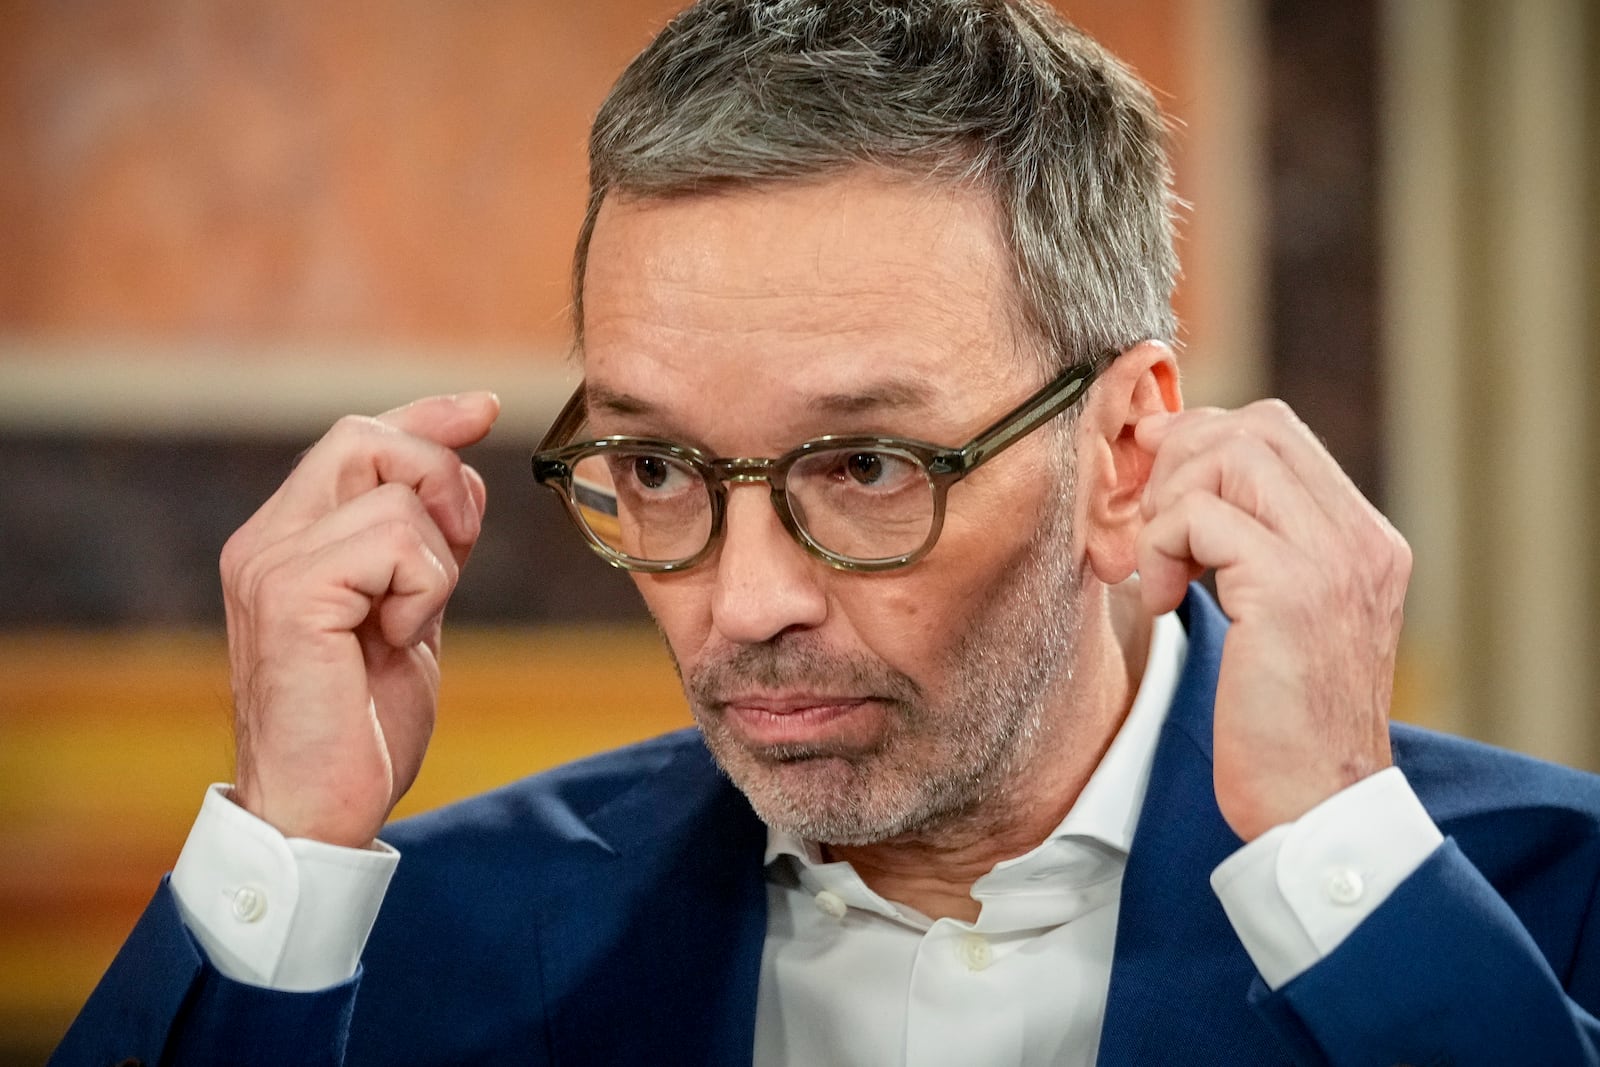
column 335, row 591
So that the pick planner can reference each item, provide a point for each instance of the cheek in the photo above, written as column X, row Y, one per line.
column 994, row 517
column 681, row 607
column 912, row 619
column 985, row 538
column 905, row 605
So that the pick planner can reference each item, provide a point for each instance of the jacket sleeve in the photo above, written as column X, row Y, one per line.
column 161, row 1002
column 1444, row 972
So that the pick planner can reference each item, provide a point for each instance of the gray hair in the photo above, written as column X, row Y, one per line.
column 1002, row 94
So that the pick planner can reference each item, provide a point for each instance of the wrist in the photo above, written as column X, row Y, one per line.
column 310, row 820
column 1286, row 798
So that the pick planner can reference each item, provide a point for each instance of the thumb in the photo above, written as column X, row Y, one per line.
column 453, row 421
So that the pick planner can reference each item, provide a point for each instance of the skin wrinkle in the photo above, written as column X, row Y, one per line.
column 968, row 366
column 890, row 408
column 854, row 313
column 860, row 411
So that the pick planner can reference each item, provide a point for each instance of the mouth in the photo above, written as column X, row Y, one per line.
column 808, row 720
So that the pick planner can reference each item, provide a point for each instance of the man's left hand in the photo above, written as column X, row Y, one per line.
column 1314, row 579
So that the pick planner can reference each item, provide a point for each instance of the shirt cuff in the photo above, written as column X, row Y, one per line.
column 1296, row 892
column 287, row 913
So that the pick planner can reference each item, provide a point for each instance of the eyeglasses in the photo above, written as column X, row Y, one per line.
column 858, row 502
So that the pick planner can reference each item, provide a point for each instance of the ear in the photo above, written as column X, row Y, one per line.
column 1112, row 468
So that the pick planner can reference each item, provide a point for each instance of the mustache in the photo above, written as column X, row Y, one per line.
column 791, row 662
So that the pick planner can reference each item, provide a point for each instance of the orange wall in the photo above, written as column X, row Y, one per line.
column 272, row 168
column 275, row 170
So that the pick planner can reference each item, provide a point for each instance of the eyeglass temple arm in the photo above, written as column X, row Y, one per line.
column 571, row 416
column 1061, row 393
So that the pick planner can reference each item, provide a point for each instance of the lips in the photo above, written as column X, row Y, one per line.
column 799, row 719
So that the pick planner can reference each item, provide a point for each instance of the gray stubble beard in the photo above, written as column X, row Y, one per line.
column 941, row 775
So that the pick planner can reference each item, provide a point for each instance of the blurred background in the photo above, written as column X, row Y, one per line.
column 225, row 222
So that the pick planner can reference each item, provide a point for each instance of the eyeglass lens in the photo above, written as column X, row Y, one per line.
column 860, row 504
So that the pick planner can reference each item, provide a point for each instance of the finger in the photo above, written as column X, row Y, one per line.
column 331, row 591
column 390, row 503
column 1248, row 473
column 1198, row 531
column 387, row 570
column 479, row 494
column 1163, row 583
column 452, row 421
column 1153, row 428
column 386, row 506
column 357, row 455
column 1178, row 437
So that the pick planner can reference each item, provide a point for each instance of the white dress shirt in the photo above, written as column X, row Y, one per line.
column 848, row 977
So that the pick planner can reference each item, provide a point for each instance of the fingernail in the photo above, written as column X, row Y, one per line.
column 477, row 400
column 469, row 509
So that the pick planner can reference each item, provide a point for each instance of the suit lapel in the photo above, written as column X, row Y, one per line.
column 653, row 955
column 1179, row 977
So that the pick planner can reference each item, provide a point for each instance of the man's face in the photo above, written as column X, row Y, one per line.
column 850, row 708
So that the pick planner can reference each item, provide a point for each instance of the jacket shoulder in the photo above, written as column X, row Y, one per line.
column 1460, row 780
column 563, row 807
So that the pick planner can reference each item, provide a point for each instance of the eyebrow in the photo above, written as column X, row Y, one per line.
column 891, row 395
column 597, row 398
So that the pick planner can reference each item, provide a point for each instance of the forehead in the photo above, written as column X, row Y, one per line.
column 863, row 282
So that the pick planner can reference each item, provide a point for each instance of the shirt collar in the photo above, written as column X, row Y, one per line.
column 1107, row 810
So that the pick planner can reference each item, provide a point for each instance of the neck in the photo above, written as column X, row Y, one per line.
column 933, row 871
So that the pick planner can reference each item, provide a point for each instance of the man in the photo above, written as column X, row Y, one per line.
column 986, row 747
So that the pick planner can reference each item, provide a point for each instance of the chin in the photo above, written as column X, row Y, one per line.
column 830, row 797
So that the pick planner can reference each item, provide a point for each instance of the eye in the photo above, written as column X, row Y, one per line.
column 866, row 468
column 869, row 470
column 651, row 471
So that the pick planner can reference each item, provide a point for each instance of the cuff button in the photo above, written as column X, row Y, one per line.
column 249, row 903
column 1344, row 886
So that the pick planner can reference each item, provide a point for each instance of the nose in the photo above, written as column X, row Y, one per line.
column 766, row 582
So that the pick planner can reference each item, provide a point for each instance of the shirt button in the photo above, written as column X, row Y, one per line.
column 975, row 952
column 1344, row 886
column 249, row 903
column 832, row 904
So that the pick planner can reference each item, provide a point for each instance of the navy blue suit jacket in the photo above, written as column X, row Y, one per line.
column 613, row 912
